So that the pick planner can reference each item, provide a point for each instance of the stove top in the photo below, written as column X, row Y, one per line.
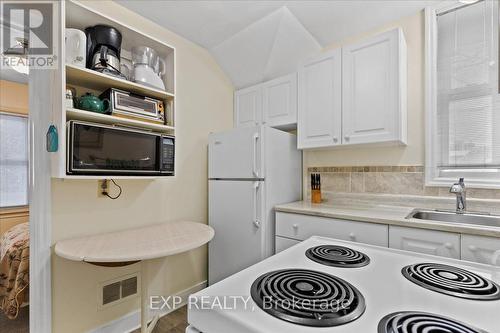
column 422, row 322
column 380, row 287
column 337, row 256
column 308, row 297
column 453, row 281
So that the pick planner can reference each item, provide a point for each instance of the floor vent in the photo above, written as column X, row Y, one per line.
column 118, row 289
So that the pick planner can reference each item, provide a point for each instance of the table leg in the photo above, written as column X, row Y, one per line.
column 145, row 300
column 144, row 297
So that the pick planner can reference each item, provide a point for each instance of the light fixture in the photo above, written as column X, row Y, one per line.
column 16, row 57
column 468, row 2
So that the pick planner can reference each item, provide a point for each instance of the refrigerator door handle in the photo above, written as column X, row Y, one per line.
column 254, row 167
column 256, row 221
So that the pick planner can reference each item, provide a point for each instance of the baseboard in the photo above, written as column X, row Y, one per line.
column 131, row 321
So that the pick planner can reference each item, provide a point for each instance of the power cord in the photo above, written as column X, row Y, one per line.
column 119, row 193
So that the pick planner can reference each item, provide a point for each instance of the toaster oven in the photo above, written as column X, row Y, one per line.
column 126, row 104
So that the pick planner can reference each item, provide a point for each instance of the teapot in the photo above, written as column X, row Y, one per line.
column 92, row 103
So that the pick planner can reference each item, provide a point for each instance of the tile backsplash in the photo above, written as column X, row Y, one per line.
column 405, row 180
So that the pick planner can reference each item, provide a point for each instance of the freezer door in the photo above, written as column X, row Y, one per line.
column 236, row 154
column 235, row 213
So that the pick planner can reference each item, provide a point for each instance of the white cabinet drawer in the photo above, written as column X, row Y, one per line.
column 301, row 227
column 438, row 243
column 282, row 243
column 480, row 248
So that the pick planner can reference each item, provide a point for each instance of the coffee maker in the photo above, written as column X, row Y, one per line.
column 103, row 49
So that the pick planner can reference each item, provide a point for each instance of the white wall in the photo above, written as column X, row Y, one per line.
column 204, row 98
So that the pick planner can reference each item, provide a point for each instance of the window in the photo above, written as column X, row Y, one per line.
column 13, row 160
column 463, row 100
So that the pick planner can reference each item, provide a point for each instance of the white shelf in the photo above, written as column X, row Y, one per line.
column 80, row 15
column 89, row 78
column 75, row 114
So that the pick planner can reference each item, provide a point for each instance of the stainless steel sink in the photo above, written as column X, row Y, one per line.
column 483, row 219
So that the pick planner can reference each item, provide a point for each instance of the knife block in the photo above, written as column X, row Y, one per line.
column 316, row 196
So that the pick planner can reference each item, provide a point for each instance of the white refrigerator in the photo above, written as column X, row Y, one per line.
column 250, row 171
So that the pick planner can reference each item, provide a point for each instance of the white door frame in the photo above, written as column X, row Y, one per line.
column 45, row 99
column 40, row 290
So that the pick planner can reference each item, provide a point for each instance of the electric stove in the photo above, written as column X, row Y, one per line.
column 328, row 285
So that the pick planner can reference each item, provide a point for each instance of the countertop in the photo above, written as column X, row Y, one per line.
column 382, row 214
column 149, row 242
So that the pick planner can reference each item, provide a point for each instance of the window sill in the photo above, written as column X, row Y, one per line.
column 469, row 182
column 10, row 212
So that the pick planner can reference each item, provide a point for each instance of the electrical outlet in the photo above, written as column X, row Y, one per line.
column 102, row 187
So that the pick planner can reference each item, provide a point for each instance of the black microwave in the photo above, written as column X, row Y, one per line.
column 96, row 149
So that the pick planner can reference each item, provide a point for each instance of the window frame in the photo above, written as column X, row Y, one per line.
column 435, row 176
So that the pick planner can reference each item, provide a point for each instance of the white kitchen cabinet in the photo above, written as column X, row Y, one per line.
column 272, row 103
column 374, row 89
column 320, row 101
column 301, row 227
column 282, row 243
column 438, row 243
column 480, row 248
column 279, row 106
column 248, row 106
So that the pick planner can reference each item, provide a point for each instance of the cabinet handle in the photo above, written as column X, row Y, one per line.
column 352, row 236
column 254, row 166
column 472, row 248
column 346, row 137
column 295, row 226
column 255, row 219
column 335, row 139
column 449, row 246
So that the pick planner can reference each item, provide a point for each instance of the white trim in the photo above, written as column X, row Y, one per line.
column 39, row 203
column 432, row 176
column 131, row 321
column 40, row 290
column 44, row 97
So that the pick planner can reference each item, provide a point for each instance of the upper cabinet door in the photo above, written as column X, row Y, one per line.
column 280, row 101
column 248, row 106
column 374, row 90
column 320, row 104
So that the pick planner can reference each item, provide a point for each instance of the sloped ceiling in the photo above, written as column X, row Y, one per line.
column 268, row 48
column 254, row 41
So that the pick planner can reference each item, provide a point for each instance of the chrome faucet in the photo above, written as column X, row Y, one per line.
column 460, row 191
